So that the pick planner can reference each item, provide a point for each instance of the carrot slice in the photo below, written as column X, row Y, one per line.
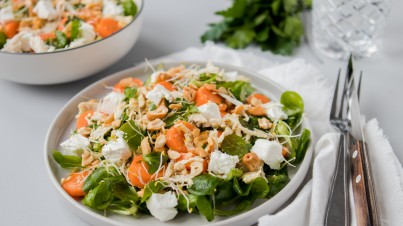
column 138, row 172
column 107, row 26
column 263, row 98
column 82, row 121
column 73, row 184
column 169, row 86
column 176, row 138
column 127, row 82
column 11, row 28
column 204, row 95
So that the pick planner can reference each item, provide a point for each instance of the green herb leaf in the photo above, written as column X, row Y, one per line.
column 204, row 184
column 60, row 41
column 152, row 187
column 154, row 160
column 184, row 203
column 244, row 204
column 215, row 32
column 3, row 39
column 224, row 192
column 125, row 192
column 241, row 38
column 290, row 6
column 276, row 183
column 75, row 29
column 123, row 207
column 204, row 207
column 303, row 144
column 240, row 89
column 66, row 161
column 235, row 145
column 293, row 106
column 101, row 174
column 129, row 8
column 234, row 173
column 237, row 10
column 100, row 197
column 133, row 134
column 259, row 187
column 130, row 92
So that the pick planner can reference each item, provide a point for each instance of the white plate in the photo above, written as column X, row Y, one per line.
column 64, row 124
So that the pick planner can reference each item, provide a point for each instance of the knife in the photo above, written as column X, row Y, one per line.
column 366, row 208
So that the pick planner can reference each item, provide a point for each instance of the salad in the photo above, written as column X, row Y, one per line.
column 38, row 26
column 190, row 139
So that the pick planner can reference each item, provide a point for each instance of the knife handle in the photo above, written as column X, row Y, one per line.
column 358, row 178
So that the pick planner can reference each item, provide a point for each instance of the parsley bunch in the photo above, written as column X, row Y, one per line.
column 274, row 25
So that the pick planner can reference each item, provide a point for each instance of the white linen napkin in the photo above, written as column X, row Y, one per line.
column 308, row 207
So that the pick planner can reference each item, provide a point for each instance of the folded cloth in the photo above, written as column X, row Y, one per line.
column 308, row 207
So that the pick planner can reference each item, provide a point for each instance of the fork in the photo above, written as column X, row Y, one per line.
column 338, row 202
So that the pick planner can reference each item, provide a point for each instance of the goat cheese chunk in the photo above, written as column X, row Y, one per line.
column 222, row 163
column 39, row 46
column 162, row 206
column 44, row 9
column 6, row 14
column 111, row 8
column 210, row 111
column 159, row 92
column 269, row 151
column 87, row 35
column 274, row 111
column 75, row 145
column 18, row 43
column 117, row 151
column 110, row 102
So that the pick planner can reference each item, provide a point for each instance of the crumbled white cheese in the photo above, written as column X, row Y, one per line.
column 197, row 119
column 110, row 102
column 269, row 151
column 221, row 163
column 44, row 9
column 6, row 14
column 39, row 46
column 99, row 132
column 210, row 111
column 75, row 145
column 159, row 92
column 111, row 8
column 117, row 151
column 231, row 76
column 274, row 111
column 162, row 206
column 19, row 43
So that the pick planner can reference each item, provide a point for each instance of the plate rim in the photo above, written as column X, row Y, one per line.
column 292, row 187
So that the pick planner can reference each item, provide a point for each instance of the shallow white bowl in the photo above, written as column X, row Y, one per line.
column 71, row 64
column 64, row 124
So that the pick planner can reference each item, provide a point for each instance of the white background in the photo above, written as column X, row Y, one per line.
column 26, row 112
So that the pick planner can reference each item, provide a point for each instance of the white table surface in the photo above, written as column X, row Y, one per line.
column 26, row 194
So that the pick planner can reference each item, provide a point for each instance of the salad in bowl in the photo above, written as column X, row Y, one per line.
column 40, row 26
column 192, row 139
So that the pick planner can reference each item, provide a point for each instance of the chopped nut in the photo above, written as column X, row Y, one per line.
column 90, row 105
column 173, row 154
column 177, row 106
column 196, row 168
column 176, row 70
column 156, row 124
column 85, row 131
column 239, row 110
column 264, row 123
column 115, row 124
column 160, row 113
column 145, row 146
column 257, row 111
column 285, row 151
column 252, row 161
column 141, row 100
column 189, row 94
column 109, row 120
column 160, row 141
column 199, row 151
column 87, row 158
column 211, row 87
column 201, row 139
